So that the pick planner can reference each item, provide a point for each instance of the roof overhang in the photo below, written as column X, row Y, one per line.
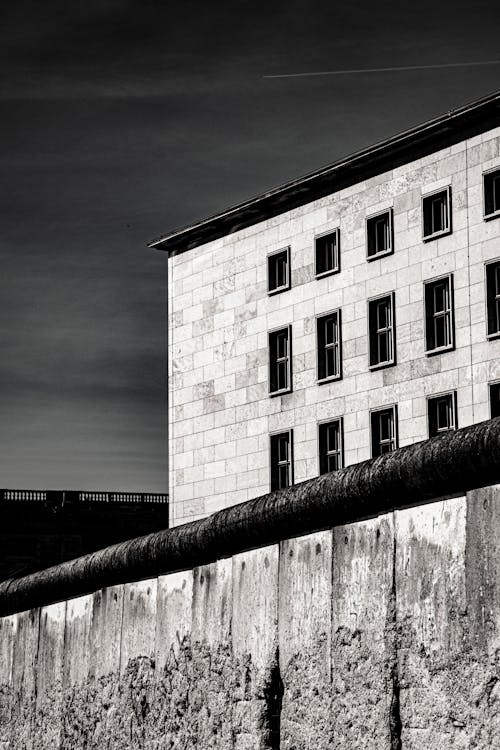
column 430, row 136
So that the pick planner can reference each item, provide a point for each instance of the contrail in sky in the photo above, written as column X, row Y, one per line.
column 381, row 70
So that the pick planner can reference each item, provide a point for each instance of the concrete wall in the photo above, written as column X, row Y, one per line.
column 383, row 633
column 220, row 414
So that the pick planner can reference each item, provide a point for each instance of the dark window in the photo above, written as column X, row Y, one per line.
column 280, row 360
column 382, row 331
column 278, row 271
column 330, row 446
column 442, row 413
column 439, row 323
column 495, row 400
column 328, row 253
column 329, row 346
column 493, row 298
column 436, row 209
column 281, row 460
column 384, row 431
column 379, row 234
column 492, row 194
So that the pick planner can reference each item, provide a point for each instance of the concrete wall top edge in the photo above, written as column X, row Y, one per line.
column 452, row 463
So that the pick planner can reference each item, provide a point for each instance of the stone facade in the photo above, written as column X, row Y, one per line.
column 220, row 411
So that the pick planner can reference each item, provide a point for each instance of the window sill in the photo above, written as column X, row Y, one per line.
column 278, row 290
column 494, row 215
column 330, row 379
column 283, row 391
column 376, row 256
column 323, row 274
column 382, row 365
column 493, row 336
column 436, row 235
column 440, row 350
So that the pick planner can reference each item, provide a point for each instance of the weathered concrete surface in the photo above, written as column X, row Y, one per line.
column 437, row 669
column 482, row 579
column 212, row 676
column 75, row 674
column 24, row 677
column 104, row 666
column 364, row 690
column 304, row 617
column 170, row 720
column 47, row 731
column 257, row 683
column 137, row 664
column 382, row 633
column 8, row 627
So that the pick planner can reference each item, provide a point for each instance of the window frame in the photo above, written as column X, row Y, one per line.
column 442, row 232
column 323, row 316
column 388, row 363
column 491, row 384
column 451, row 345
column 393, row 408
column 270, row 334
column 454, row 403
column 288, row 283
column 496, row 213
column 276, row 434
column 390, row 251
column 325, row 423
column 336, row 268
column 494, row 334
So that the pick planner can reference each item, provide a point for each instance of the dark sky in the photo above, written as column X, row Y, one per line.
column 121, row 120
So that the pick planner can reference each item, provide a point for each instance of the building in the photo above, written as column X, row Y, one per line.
column 337, row 317
column 41, row 528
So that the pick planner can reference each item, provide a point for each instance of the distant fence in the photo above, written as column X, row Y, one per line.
column 60, row 497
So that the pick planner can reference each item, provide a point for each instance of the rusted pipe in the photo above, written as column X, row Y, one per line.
column 446, row 465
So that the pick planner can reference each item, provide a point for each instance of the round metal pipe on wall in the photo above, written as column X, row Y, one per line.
column 450, row 464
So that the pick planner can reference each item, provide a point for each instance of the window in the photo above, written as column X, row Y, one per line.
column 278, row 271
column 331, row 448
column 281, row 460
column 492, row 194
column 436, row 214
column 379, row 235
column 493, row 298
column 442, row 413
column 439, row 323
column 327, row 248
column 494, row 400
column 280, row 361
column 384, row 431
column 382, row 332
column 329, row 346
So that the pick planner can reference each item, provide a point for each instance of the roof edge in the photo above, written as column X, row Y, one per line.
column 411, row 144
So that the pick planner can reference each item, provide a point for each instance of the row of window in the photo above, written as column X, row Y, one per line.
column 441, row 417
column 439, row 331
column 436, row 222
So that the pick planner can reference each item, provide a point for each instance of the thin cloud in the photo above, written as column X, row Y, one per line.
column 381, row 70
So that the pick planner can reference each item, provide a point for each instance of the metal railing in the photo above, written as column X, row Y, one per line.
column 62, row 496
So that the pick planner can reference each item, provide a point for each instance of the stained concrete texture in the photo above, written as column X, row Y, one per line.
column 382, row 633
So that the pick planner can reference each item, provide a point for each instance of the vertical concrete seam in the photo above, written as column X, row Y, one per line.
column 61, row 722
column 35, row 673
column 122, row 586
column 155, row 646
column 276, row 680
column 395, row 725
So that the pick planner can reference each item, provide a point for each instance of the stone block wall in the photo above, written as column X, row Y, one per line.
column 381, row 633
column 220, row 414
